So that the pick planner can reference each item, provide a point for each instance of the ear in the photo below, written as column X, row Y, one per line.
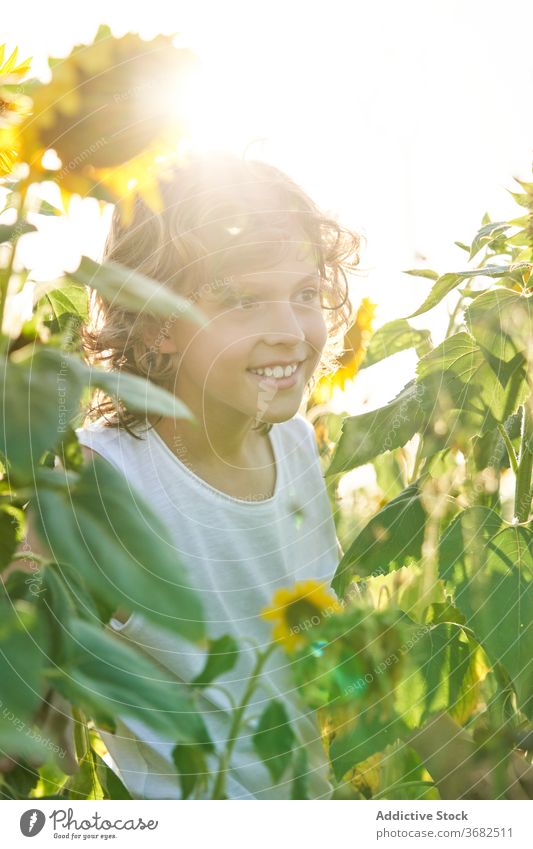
column 160, row 337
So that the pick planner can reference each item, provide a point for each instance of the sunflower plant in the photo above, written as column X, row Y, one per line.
column 57, row 660
column 60, row 669
column 449, row 549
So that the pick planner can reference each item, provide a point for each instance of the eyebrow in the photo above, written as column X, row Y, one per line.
column 307, row 278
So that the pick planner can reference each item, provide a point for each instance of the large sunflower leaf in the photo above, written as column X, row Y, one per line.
column 98, row 526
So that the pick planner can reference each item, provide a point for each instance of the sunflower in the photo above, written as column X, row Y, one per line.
column 297, row 610
column 14, row 106
column 112, row 111
column 355, row 344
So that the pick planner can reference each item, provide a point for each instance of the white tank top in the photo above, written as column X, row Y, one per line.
column 237, row 553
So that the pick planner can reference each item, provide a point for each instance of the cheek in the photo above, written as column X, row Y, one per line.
column 317, row 332
column 213, row 353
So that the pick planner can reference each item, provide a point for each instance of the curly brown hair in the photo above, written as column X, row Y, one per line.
column 195, row 239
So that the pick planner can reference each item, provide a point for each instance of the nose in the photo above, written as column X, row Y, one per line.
column 282, row 324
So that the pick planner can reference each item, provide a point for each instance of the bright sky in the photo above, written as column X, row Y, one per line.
column 406, row 120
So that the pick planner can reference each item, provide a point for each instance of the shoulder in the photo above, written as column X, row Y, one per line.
column 101, row 437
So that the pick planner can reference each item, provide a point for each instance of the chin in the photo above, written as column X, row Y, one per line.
column 283, row 413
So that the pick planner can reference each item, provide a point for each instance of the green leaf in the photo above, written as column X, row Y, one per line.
column 47, row 209
column 522, row 200
column 274, row 739
column 466, row 535
column 442, row 287
column 394, row 337
column 9, row 232
column 24, row 644
column 133, row 290
column 135, row 391
column 192, row 767
column 459, row 376
column 108, row 679
column 487, row 234
column 448, row 282
column 97, row 526
column 140, row 394
column 490, row 450
column 22, row 780
column 66, row 595
column 520, row 239
column 24, row 652
column 8, row 537
column 501, row 321
column 42, row 390
column 69, row 299
column 40, row 397
column 370, row 735
column 389, row 475
column 392, row 538
column 437, row 674
column 85, row 784
column 423, row 272
column 300, row 771
column 223, row 655
column 370, row 434
column 109, row 780
column 496, row 597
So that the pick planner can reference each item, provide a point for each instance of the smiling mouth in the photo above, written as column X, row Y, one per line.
column 281, row 377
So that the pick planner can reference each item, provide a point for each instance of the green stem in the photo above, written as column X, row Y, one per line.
column 237, row 714
column 522, row 503
column 453, row 316
column 28, row 555
column 513, row 459
column 5, row 273
column 81, row 735
column 419, row 460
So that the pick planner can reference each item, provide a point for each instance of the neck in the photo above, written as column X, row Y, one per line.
column 219, row 433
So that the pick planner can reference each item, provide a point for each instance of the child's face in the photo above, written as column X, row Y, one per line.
column 268, row 318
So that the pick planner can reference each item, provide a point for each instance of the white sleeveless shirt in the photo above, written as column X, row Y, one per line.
column 236, row 553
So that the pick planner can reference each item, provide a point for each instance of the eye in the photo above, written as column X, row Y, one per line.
column 313, row 293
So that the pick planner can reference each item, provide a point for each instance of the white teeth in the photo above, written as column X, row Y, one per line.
column 277, row 371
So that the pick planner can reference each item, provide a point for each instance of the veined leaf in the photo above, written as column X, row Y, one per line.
column 370, row 734
column 274, row 739
column 370, row 434
column 501, row 321
column 496, row 597
column 448, row 282
column 463, row 541
column 223, row 655
column 134, row 291
column 25, row 647
column 43, row 388
column 394, row 337
column 39, row 396
column 91, row 522
column 191, row 764
column 423, row 272
column 488, row 234
column 459, row 376
column 392, row 538
column 68, row 299
column 108, row 679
